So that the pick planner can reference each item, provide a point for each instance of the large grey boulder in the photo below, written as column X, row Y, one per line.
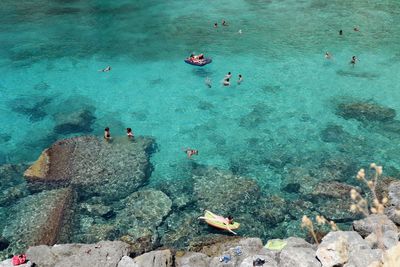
column 126, row 261
column 159, row 258
column 298, row 256
column 374, row 223
column 338, row 248
column 393, row 210
column 93, row 166
column 394, row 193
column 101, row 254
column 42, row 221
column 144, row 211
column 364, row 258
column 192, row 259
column 393, row 214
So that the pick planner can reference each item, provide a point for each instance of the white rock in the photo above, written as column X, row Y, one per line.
column 126, row 261
column 299, row 257
column 158, row 258
column 338, row 248
column 192, row 259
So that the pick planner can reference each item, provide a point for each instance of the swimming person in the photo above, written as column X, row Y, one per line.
column 107, row 134
column 224, row 23
column 353, row 60
column 240, row 32
column 340, row 32
column 226, row 82
column 228, row 76
column 328, row 55
column 240, row 79
column 190, row 152
column 215, row 25
column 129, row 133
column 107, row 69
column 356, row 29
column 207, row 81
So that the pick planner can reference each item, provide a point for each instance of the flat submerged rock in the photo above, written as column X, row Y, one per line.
column 93, row 166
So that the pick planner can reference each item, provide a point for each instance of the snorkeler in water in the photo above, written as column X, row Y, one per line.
column 107, row 69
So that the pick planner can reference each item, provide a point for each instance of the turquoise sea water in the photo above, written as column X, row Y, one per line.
column 51, row 52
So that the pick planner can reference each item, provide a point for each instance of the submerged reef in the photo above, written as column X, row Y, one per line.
column 365, row 112
column 93, row 166
column 86, row 189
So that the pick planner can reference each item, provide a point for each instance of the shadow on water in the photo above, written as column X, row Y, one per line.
column 365, row 75
column 32, row 107
column 202, row 72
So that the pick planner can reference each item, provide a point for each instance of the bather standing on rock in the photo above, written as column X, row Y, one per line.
column 129, row 133
column 107, row 134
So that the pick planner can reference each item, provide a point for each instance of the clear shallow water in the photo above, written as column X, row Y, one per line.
column 51, row 52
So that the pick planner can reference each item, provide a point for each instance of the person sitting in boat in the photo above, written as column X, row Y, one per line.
column 229, row 220
column 201, row 56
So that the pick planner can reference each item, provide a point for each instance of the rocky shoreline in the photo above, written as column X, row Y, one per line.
column 84, row 190
column 338, row 248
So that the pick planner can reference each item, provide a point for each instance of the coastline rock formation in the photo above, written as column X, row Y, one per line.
column 337, row 249
column 41, row 222
column 93, row 166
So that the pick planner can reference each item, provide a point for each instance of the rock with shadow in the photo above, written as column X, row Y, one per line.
column 34, row 107
column 332, row 200
column 214, row 188
column 143, row 212
column 93, row 166
column 38, row 219
column 365, row 112
column 12, row 183
column 334, row 134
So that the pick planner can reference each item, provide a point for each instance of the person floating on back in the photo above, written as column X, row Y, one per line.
column 107, row 69
column 107, row 134
column 129, row 133
column 190, row 152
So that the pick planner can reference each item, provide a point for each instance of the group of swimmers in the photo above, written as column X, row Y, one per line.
column 107, row 134
column 354, row 59
column 224, row 23
column 227, row 78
